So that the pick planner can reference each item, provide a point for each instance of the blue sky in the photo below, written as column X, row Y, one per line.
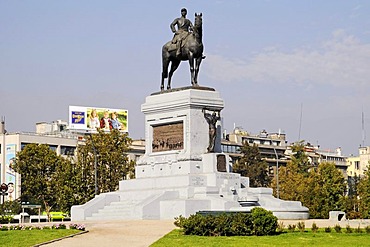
column 268, row 60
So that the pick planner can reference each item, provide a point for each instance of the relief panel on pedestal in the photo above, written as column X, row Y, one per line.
column 168, row 136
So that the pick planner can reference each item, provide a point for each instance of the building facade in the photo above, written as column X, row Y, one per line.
column 272, row 147
column 359, row 165
column 57, row 136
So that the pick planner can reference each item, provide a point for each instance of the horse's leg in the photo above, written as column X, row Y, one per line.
column 165, row 63
column 197, row 66
column 174, row 65
column 191, row 65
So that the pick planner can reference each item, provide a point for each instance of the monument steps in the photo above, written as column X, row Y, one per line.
column 111, row 217
column 115, row 210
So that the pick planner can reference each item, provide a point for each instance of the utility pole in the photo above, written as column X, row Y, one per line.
column 95, row 164
column 277, row 173
column 3, row 147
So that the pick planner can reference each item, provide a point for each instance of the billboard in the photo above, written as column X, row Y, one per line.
column 93, row 118
column 10, row 173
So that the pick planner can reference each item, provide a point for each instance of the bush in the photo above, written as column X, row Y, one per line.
column 349, row 229
column 314, row 227
column 82, row 226
column 4, row 228
column 358, row 230
column 281, row 226
column 301, row 226
column 338, row 228
column 222, row 225
column 179, row 221
column 264, row 222
column 291, row 228
column 241, row 225
column 259, row 222
column 328, row 229
column 367, row 229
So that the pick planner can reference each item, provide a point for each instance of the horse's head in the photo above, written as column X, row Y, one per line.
column 198, row 20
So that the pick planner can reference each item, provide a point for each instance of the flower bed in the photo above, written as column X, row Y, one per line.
column 30, row 227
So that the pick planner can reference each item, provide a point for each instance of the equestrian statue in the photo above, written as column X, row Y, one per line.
column 185, row 45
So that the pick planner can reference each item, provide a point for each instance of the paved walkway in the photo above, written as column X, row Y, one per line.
column 118, row 233
column 137, row 233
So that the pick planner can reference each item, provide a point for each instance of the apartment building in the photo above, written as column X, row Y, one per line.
column 56, row 135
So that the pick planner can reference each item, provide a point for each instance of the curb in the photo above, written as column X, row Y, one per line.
column 58, row 239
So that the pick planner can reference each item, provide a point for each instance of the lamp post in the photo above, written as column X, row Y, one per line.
column 277, row 173
column 95, row 165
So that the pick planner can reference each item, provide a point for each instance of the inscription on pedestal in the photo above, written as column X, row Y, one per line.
column 168, row 137
column 197, row 181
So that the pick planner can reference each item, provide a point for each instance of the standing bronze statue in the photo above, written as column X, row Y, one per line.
column 185, row 45
column 212, row 121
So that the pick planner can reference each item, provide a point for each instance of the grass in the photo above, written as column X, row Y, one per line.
column 26, row 238
column 307, row 238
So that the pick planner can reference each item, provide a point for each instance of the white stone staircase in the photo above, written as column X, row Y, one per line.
column 116, row 211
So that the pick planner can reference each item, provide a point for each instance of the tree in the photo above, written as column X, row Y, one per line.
column 364, row 195
column 37, row 164
column 324, row 191
column 59, row 183
column 351, row 201
column 300, row 158
column 321, row 188
column 251, row 165
column 292, row 177
column 110, row 151
column 291, row 182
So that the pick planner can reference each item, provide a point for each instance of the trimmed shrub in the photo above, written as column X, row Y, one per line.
column 264, row 222
column 259, row 222
column 241, row 225
column 179, row 221
column 222, row 225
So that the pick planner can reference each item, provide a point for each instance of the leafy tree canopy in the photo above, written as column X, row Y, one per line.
column 253, row 166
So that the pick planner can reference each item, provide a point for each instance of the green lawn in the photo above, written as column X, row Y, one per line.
column 26, row 238
column 308, row 238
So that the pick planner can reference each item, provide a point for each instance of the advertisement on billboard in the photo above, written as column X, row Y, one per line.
column 10, row 173
column 93, row 118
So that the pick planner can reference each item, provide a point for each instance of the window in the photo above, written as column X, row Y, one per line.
column 24, row 144
column 357, row 165
column 53, row 147
column 67, row 150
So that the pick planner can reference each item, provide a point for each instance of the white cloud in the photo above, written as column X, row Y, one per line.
column 341, row 61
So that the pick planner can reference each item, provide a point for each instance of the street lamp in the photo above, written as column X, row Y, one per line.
column 95, row 164
column 277, row 173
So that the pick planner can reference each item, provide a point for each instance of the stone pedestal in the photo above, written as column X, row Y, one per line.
column 177, row 175
column 176, row 131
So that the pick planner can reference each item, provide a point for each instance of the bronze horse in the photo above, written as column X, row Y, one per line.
column 192, row 50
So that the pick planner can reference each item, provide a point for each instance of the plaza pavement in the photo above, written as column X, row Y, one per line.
column 137, row 233
column 118, row 233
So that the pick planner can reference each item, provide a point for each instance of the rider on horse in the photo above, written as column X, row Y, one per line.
column 184, row 27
